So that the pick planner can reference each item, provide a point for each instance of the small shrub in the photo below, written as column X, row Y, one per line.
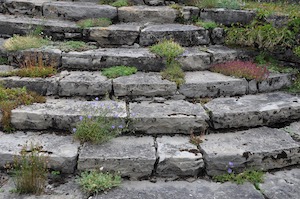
column 120, row 3
column 17, row 42
column 176, row 6
column 168, row 49
column 93, row 182
column 118, row 71
column 3, row 61
column 206, row 24
column 100, row 128
column 208, row 3
column 75, row 46
column 99, row 22
column 12, row 98
column 229, row 4
column 248, row 70
column 174, row 73
column 297, row 51
column 30, row 170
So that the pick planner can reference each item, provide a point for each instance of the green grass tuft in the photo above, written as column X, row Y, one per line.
column 117, row 71
column 97, row 22
column 75, row 46
column 17, row 42
column 206, row 24
column 168, row 49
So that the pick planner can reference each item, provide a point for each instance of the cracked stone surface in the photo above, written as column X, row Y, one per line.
column 294, row 130
column 143, row 84
column 115, row 35
column 275, row 81
column 133, row 157
column 179, row 190
column 260, row 148
column 83, row 83
column 193, row 59
column 62, row 113
column 61, row 151
column 170, row 117
column 146, row 14
column 209, row 84
column 253, row 110
column 178, row 157
column 282, row 184
column 78, row 10
column 185, row 35
column 23, row 7
column 221, row 53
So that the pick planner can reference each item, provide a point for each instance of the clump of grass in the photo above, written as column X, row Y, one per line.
column 30, row 170
column 229, row 4
column 94, row 182
column 248, row 70
column 120, row 3
column 3, row 60
column 12, row 98
column 100, row 128
column 206, row 24
column 170, row 50
column 208, row 3
column 117, row 71
column 251, row 176
column 74, row 46
column 17, row 42
column 96, row 22
column 297, row 51
column 176, row 6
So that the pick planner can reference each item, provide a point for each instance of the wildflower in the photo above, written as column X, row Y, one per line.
column 120, row 126
column 113, row 127
column 229, row 170
column 80, row 118
column 89, row 116
column 74, row 130
column 116, row 115
column 230, row 164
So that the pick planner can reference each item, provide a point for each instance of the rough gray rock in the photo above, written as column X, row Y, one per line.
column 221, row 53
column 24, row 25
column 83, row 83
column 208, row 84
column 6, row 68
column 78, row 10
column 169, row 117
column 227, row 17
column 182, row 190
column 42, row 86
column 275, row 81
column 190, row 12
column 218, row 36
column 178, row 157
column 261, row 148
column 63, row 113
column 253, row 110
column 282, row 184
column 115, row 35
column 24, row 7
column 61, row 151
column 294, row 130
column 146, row 14
column 193, row 59
column 185, row 35
column 131, row 156
column 143, row 84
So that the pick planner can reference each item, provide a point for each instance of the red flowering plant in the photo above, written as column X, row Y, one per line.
column 246, row 69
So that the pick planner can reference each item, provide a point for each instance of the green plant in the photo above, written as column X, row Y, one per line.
column 174, row 73
column 75, row 46
column 93, row 182
column 120, row 3
column 12, row 98
column 208, row 3
column 100, row 128
column 229, row 4
column 176, row 6
column 295, row 88
column 252, row 176
column 118, row 71
column 30, row 170
column 206, row 24
column 3, row 60
column 96, row 22
column 297, row 51
column 55, row 173
column 17, row 42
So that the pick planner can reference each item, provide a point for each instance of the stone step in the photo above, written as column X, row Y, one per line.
column 253, row 110
column 261, row 148
column 61, row 151
column 192, row 59
column 145, row 85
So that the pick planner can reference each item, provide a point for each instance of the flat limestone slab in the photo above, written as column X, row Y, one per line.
column 170, row 117
column 182, row 190
column 209, row 84
column 131, row 156
column 193, row 59
column 115, row 35
column 78, row 10
column 145, row 14
column 61, row 151
column 253, row 110
column 83, row 83
column 282, row 184
column 24, row 7
column 294, row 130
column 185, row 35
column 260, row 148
column 221, row 53
column 62, row 113
column 178, row 157
column 143, row 84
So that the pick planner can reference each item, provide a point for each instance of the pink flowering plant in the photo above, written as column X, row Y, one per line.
column 101, row 128
column 244, row 69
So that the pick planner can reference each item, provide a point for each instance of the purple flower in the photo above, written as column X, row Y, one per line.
column 116, row 115
column 80, row 118
column 89, row 116
column 120, row 126
column 230, row 164
column 74, row 130
column 97, row 98
column 229, row 170
column 113, row 127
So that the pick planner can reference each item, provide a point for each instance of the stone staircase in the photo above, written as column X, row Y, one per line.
column 244, row 122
